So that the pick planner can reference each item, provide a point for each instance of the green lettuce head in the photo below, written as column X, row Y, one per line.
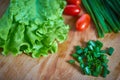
column 34, row 27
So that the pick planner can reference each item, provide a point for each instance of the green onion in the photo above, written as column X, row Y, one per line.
column 105, row 72
column 87, row 70
column 92, row 60
column 79, row 51
column 90, row 11
column 98, row 71
column 99, row 44
column 80, row 59
column 110, row 51
column 75, row 55
column 105, row 15
column 71, row 61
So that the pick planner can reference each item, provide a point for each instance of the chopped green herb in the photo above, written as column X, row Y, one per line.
column 77, row 47
column 79, row 51
column 90, row 47
column 110, row 51
column 87, row 70
column 71, row 61
column 75, row 55
column 92, row 60
column 80, row 59
column 105, row 72
column 99, row 44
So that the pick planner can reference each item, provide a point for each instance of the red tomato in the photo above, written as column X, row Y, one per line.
column 83, row 22
column 75, row 2
column 72, row 10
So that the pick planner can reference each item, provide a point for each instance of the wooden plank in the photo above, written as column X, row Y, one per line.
column 54, row 66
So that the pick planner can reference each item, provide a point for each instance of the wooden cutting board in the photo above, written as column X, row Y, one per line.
column 54, row 66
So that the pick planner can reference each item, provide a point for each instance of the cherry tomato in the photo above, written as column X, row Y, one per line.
column 83, row 22
column 72, row 10
column 75, row 2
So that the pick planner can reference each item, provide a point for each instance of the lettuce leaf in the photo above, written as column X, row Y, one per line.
column 34, row 27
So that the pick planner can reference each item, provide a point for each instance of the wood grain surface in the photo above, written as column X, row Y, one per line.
column 55, row 66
